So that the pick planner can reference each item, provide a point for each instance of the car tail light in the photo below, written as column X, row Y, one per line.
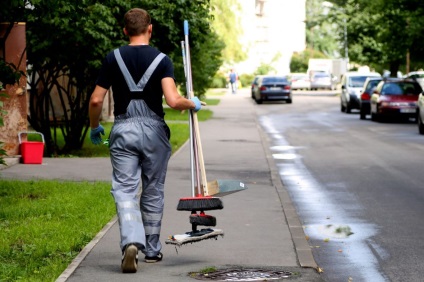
column 287, row 87
column 263, row 88
column 365, row 96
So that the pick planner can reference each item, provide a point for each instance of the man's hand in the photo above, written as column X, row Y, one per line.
column 197, row 103
column 95, row 136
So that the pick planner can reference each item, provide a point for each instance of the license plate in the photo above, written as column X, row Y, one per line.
column 275, row 88
column 407, row 110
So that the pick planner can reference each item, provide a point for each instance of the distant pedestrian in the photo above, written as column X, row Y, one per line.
column 233, row 77
column 140, row 76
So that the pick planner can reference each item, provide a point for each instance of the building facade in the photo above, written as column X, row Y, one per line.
column 272, row 31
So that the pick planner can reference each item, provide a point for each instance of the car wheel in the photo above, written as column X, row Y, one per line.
column 289, row 101
column 362, row 114
column 258, row 101
column 420, row 125
column 348, row 108
column 342, row 108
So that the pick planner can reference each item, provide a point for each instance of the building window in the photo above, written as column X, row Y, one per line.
column 259, row 7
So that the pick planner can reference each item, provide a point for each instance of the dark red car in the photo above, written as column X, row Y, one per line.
column 395, row 97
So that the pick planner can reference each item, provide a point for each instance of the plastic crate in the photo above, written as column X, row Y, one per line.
column 31, row 151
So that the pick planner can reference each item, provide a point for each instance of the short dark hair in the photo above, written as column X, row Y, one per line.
column 136, row 21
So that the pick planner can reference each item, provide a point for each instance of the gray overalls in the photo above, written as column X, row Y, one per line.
column 139, row 146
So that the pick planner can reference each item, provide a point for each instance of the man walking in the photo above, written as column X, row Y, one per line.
column 139, row 140
column 233, row 81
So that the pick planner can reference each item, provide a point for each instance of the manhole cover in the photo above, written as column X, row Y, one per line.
column 246, row 274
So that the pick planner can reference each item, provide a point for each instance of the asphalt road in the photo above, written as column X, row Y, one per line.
column 358, row 186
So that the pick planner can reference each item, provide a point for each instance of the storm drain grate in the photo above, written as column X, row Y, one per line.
column 249, row 274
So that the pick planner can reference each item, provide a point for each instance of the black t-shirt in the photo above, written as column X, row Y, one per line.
column 137, row 59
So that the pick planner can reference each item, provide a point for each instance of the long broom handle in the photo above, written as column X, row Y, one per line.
column 200, row 156
column 190, row 116
column 198, row 146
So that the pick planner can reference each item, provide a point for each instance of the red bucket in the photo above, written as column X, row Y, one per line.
column 31, row 151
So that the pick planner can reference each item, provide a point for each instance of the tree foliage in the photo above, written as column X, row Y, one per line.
column 299, row 61
column 67, row 40
column 320, row 33
column 227, row 25
column 382, row 32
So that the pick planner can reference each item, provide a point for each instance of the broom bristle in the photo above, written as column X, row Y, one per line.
column 200, row 204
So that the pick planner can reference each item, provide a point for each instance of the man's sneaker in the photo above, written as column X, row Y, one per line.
column 130, row 259
column 154, row 259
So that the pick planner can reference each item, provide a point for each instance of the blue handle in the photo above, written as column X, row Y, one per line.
column 185, row 27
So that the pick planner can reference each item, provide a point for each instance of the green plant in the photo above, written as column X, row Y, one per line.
column 246, row 79
column 45, row 224
column 8, row 74
column 219, row 81
column 264, row 69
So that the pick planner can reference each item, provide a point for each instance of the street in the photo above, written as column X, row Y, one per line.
column 357, row 185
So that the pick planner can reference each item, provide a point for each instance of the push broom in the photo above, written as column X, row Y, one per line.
column 205, row 194
column 197, row 202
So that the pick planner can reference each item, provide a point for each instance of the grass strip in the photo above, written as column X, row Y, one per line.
column 45, row 224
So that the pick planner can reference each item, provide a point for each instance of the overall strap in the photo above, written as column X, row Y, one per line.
column 146, row 76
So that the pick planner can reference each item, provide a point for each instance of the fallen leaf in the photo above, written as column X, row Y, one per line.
column 340, row 251
column 326, row 240
column 320, row 270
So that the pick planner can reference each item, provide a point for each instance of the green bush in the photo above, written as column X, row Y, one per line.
column 246, row 79
column 219, row 81
column 264, row 69
column 299, row 61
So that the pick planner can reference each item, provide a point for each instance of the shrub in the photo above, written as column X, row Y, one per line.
column 246, row 79
column 219, row 81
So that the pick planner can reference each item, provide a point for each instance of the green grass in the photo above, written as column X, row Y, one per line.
column 45, row 224
column 176, row 120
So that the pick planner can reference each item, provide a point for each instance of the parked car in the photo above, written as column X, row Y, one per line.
column 352, row 84
column 273, row 88
column 395, row 97
column 420, row 113
column 300, row 81
column 322, row 80
column 364, row 100
column 254, row 85
column 418, row 76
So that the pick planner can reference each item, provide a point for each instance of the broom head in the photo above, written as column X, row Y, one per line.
column 200, row 204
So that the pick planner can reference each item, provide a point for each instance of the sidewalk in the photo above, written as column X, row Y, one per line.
column 262, row 229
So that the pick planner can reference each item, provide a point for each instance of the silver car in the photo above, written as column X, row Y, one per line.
column 352, row 87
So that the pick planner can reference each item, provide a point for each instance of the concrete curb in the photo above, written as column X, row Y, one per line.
column 87, row 249
column 302, row 248
column 10, row 161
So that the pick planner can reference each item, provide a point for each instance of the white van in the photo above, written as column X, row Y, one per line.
column 352, row 86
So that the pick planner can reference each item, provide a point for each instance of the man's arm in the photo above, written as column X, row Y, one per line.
column 96, row 105
column 173, row 98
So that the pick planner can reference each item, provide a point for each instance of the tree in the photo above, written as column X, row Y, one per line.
column 67, row 40
column 226, row 24
column 320, row 33
column 299, row 61
column 383, row 33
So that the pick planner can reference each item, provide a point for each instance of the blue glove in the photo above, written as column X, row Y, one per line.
column 95, row 136
column 197, row 103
